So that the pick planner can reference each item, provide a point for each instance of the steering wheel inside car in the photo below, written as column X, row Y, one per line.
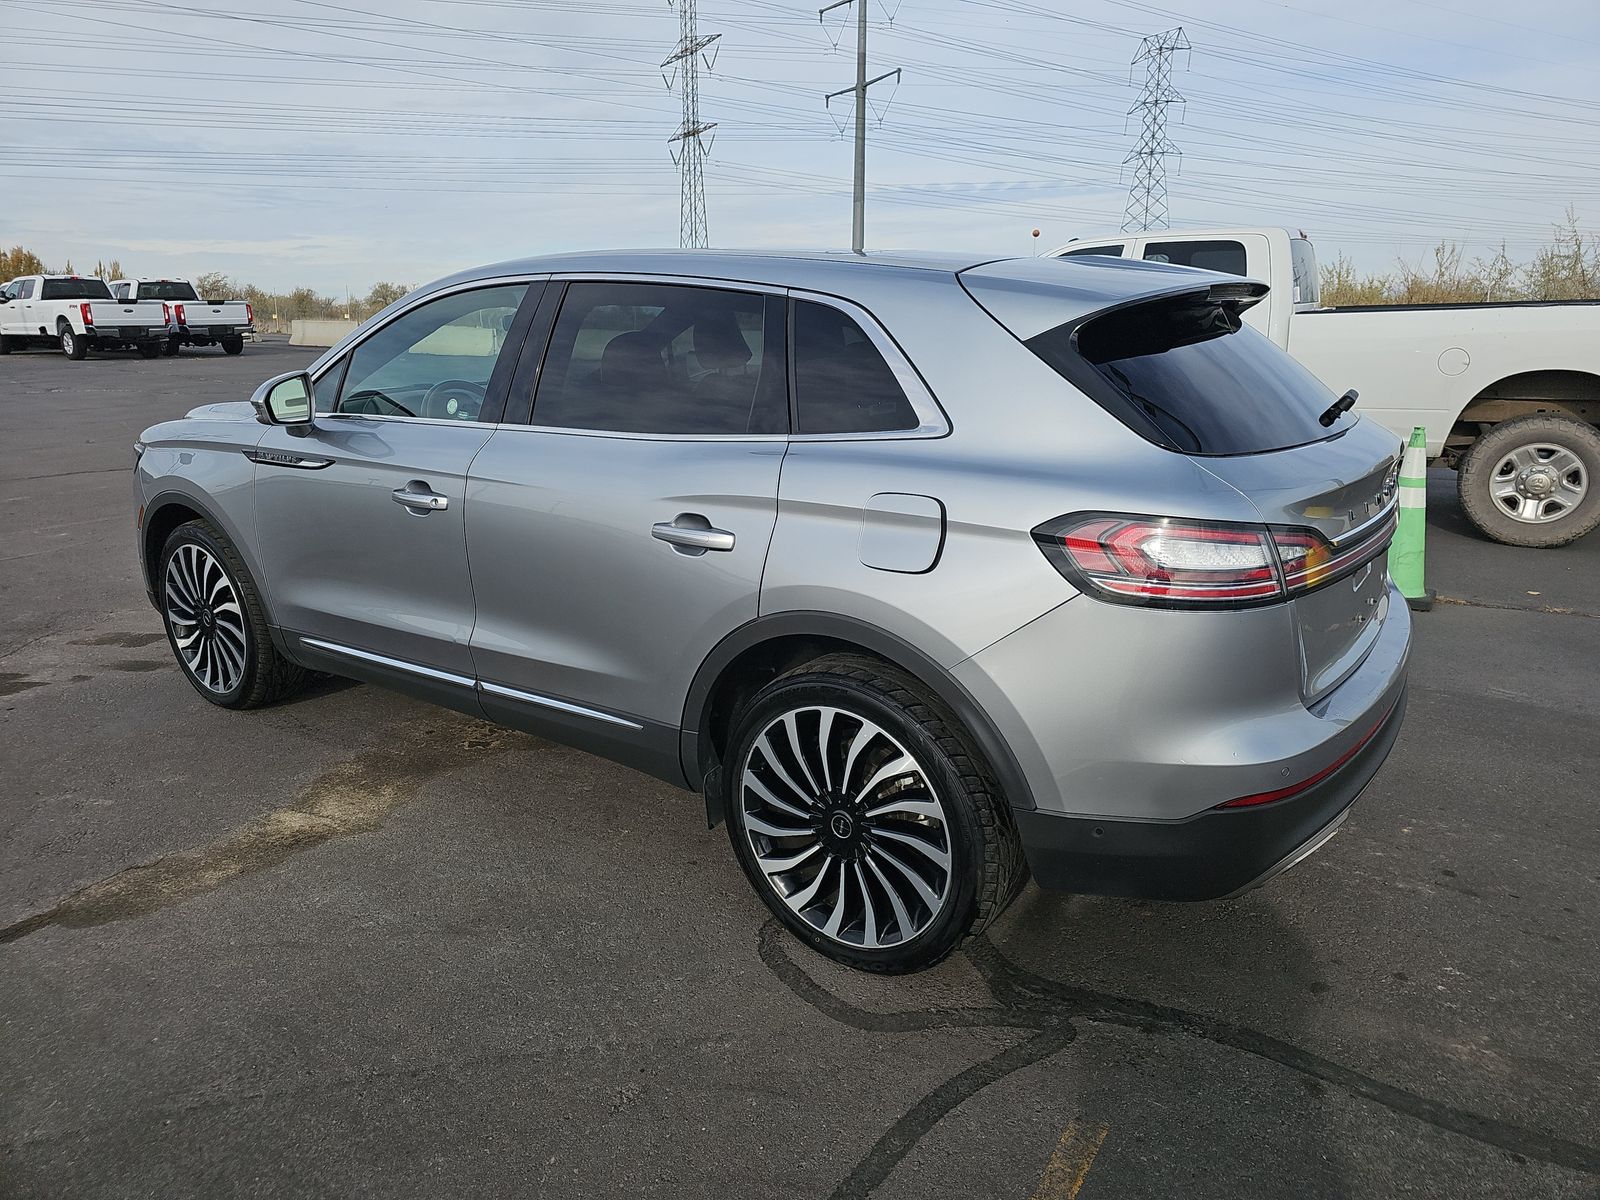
column 454, row 400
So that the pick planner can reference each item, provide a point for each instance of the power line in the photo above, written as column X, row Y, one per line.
column 1147, row 199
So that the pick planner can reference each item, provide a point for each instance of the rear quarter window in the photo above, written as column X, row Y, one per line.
column 1185, row 373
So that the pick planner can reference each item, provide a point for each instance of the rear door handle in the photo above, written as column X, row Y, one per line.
column 419, row 497
column 690, row 533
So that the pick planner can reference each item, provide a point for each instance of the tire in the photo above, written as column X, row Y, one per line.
column 149, row 350
column 216, row 623
column 1533, row 481
column 5, row 344
column 73, row 345
column 233, row 345
column 170, row 350
column 860, row 906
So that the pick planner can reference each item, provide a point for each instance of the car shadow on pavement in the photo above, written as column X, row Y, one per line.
column 1275, row 979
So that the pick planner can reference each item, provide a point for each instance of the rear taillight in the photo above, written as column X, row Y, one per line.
column 88, row 314
column 182, row 320
column 1169, row 562
column 166, row 314
column 249, row 314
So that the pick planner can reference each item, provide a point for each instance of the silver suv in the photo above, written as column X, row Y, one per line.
column 926, row 573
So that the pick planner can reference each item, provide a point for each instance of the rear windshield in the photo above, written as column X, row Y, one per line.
column 75, row 289
column 1186, row 373
column 167, row 291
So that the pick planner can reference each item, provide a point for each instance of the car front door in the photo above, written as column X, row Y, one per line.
column 621, row 532
column 360, row 522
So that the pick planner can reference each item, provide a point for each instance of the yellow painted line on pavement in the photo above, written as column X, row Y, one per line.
column 1069, row 1164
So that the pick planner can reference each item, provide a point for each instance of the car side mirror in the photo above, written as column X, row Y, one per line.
column 285, row 400
column 4, row 299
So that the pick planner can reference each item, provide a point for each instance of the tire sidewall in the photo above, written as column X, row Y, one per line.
column 965, row 833
column 1478, row 470
column 196, row 534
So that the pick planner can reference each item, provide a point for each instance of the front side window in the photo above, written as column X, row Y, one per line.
column 665, row 359
column 432, row 363
column 121, row 291
column 1225, row 256
column 26, row 292
column 841, row 382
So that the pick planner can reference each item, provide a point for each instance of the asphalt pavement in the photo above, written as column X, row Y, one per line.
column 353, row 945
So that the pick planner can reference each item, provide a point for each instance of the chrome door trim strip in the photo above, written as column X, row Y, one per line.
column 577, row 710
column 383, row 660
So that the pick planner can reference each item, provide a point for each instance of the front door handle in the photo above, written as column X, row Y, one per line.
column 419, row 497
column 690, row 533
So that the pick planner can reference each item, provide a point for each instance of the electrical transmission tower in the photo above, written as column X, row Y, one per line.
column 858, row 207
column 690, row 150
column 1147, row 199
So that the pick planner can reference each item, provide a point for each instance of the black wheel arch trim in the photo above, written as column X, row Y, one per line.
column 869, row 637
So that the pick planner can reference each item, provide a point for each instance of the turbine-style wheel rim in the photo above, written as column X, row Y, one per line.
column 66, row 341
column 847, row 827
column 1539, row 482
column 206, row 619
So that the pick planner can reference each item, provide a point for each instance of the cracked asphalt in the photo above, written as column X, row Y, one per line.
column 353, row 945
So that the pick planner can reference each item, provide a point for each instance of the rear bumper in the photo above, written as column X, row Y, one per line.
column 126, row 333
column 1212, row 854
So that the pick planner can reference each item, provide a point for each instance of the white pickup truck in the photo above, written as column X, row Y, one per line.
column 195, row 322
column 1509, row 393
column 77, row 313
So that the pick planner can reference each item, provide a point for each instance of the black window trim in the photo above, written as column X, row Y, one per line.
column 338, row 357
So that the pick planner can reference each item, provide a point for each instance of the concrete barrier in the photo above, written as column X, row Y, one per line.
column 319, row 333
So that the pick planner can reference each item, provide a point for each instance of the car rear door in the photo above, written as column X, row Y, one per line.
column 620, row 531
column 360, row 521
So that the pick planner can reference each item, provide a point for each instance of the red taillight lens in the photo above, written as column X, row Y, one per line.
column 1164, row 561
column 182, row 320
column 166, row 314
column 249, row 314
column 88, row 314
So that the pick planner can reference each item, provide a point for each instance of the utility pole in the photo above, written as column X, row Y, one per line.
column 858, row 207
column 1147, row 199
column 690, row 154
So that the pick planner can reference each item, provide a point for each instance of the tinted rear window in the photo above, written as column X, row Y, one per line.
column 1185, row 373
column 167, row 291
column 75, row 289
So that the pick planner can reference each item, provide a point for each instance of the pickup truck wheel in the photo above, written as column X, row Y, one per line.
column 864, row 819
column 73, row 346
column 232, row 345
column 149, row 350
column 5, row 344
column 216, row 623
column 170, row 350
column 1534, row 481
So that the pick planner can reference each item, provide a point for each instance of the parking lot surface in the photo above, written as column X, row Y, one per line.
column 353, row 945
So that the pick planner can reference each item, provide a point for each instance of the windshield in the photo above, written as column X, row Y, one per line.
column 1186, row 373
column 167, row 290
column 75, row 289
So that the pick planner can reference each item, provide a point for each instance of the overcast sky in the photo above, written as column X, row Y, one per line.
column 334, row 144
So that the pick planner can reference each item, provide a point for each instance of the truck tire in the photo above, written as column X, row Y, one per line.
column 5, row 344
column 149, row 349
column 73, row 345
column 232, row 345
column 170, row 350
column 1533, row 481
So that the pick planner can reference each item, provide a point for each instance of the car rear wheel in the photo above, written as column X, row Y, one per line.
column 72, row 345
column 1534, row 481
column 5, row 344
column 216, row 623
column 149, row 350
column 864, row 818
column 232, row 345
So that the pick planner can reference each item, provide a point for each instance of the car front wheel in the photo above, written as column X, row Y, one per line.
column 216, row 623
column 864, row 818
